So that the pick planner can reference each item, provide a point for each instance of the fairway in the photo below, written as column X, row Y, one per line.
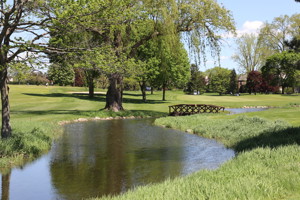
column 41, row 103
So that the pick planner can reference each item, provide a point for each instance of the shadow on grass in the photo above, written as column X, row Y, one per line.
column 50, row 112
column 272, row 139
column 95, row 113
column 97, row 97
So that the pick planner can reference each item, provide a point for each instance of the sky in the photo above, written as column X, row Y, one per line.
column 249, row 15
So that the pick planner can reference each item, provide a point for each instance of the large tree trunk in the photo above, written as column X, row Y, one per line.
column 114, row 95
column 91, row 88
column 6, row 128
column 143, row 89
column 89, row 75
column 5, row 186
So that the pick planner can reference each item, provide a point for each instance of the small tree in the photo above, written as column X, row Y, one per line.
column 269, row 84
column 79, row 77
column 284, row 67
column 61, row 74
column 233, row 84
column 197, row 81
column 219, row 79
column 20, row 72
column 254, row 81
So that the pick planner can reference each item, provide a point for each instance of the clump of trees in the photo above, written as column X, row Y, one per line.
column 271, row 59
column 105, row 36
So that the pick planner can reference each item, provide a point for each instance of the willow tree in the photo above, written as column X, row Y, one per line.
column 196, row 22
column 199, row 22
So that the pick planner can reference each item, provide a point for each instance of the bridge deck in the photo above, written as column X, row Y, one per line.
column 189, row 109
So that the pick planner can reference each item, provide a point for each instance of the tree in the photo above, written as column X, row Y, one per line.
column 254, row 81
column 20, row 72
column 173, row 64
column 219, row 79
column 25, row 27
column 250, row 53
column 197, row 81
column 18, row 16
column 147, row 67
column 126, row 25
column 269, row 84
column 233, row 84
column 37, row 78
column 293, row 44
column 284, row 67
column 273, row 35
column 79, row 77
column 61, row 74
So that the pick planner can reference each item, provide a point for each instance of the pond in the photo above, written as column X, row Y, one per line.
column 109, row 157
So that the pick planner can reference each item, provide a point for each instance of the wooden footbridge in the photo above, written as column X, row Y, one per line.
column 189, row 109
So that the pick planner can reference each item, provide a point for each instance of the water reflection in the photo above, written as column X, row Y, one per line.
column 244, row 110
column 99, row 158
column 5, row 183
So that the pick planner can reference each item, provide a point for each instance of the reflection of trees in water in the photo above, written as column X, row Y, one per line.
column 5, row 186
column 98, row 161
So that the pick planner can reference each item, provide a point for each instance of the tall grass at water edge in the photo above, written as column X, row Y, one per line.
column 29, row 140
column 235, row 132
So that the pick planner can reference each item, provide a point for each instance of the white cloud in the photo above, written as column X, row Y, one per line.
column 249, row 27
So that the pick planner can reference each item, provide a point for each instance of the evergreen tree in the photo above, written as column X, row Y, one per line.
column 233, row 85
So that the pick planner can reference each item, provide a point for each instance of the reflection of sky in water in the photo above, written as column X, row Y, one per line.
column 109, row 157
column 203, row 154
column 244, row 110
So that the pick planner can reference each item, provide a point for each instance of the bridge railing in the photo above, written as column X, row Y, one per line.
column 189, row 109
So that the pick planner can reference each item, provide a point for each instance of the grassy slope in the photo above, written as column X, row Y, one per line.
column 42, row 107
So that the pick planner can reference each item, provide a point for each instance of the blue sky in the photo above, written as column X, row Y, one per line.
column 248, row 16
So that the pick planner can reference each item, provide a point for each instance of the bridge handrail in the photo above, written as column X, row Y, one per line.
column 188, row 109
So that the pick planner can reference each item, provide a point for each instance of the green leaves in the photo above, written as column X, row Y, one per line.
column 219, row 79
column 284, row 66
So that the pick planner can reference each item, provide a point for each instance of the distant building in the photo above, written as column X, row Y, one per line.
column 242, row 80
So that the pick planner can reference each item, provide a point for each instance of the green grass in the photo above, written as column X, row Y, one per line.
column 267, row 165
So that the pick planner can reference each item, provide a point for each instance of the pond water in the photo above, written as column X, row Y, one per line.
column 244, row 110
column 109, row 157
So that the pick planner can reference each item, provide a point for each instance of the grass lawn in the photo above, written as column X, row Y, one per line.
column 267, row 165
column 41, row 103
